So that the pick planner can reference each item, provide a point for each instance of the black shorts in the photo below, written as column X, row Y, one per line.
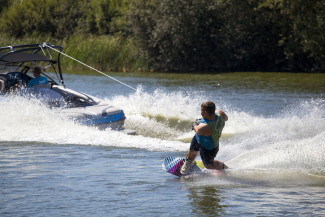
column 207, row 156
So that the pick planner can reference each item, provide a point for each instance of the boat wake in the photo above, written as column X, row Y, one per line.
column 292, row 140
column 28, row 121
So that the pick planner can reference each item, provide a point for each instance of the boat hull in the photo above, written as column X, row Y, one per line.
column 99, row 116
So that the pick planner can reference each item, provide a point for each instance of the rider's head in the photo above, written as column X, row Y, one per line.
column 208, row 107
column 37, row 72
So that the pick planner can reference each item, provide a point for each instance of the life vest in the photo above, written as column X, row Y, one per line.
column 36, row 81
column 211, row 142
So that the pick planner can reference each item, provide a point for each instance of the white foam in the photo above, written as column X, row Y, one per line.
column 24, row 120
column 292, row 139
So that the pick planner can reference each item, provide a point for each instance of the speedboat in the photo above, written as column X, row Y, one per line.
column 16, row 66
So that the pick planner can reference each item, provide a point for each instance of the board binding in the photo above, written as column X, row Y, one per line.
column 173, row 165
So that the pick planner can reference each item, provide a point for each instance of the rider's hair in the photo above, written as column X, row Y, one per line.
column 37, row 70
column 209, row 107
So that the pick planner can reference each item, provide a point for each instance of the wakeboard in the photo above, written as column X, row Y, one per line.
column 173, row 165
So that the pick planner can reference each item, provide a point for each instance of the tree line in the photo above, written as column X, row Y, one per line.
column 184, row 35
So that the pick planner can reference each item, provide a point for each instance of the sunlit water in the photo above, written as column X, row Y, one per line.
column 274, row 143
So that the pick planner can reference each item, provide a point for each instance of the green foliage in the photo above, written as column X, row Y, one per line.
column 177, row 35
column 231, row 35
column 57, row 18
column 302, row 25
column 251, row 37
column 60, row 18
column 106, row 53
column 100, row 14
column 4, row 4
column 308, row 26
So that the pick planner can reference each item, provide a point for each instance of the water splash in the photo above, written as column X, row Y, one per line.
column 162, row 114
column 29, row 121
column 290, row 140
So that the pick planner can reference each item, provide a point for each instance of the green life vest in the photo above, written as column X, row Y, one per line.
column 211, row 142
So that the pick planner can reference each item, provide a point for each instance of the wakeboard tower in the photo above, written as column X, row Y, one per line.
column 16, row 70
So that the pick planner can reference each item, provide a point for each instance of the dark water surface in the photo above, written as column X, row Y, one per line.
column 273, row 142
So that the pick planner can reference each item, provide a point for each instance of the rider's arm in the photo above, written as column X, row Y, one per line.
column 202, row 129
column 223, row 115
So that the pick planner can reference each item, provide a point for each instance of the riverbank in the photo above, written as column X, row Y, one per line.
column 176, row 36
column 105, row 52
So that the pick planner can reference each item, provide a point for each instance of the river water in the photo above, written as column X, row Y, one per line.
column 274, row 144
